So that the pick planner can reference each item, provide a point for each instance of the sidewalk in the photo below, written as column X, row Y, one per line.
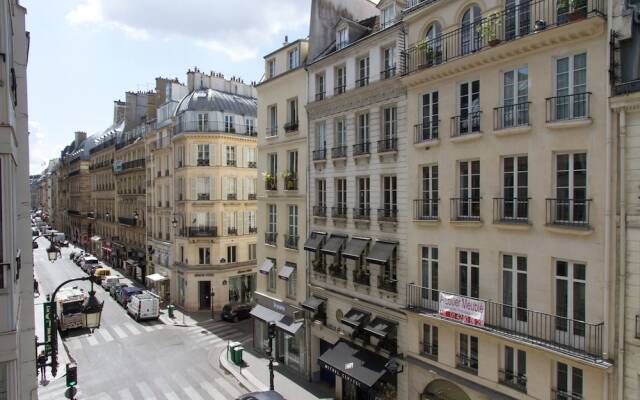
column 63, row 353
column 254, row 375
column 182, row 318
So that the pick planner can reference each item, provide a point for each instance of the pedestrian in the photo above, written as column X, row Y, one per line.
column 35, row 287
column 42, row 364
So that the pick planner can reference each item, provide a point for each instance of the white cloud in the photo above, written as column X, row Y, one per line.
column 41, row 148
column 233, row 28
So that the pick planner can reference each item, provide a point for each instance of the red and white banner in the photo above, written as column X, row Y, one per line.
column 462, row 309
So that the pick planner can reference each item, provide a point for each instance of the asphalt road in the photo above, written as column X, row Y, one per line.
column 124, row 359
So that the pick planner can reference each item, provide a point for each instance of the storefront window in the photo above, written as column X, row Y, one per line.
column 4, row 386
column 241, row 288
column 291, row 350
column 260, row 339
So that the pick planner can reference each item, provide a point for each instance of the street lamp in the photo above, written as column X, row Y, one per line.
column 136, row 215
column 53, row 251
column 271, row 331
column 92, row 310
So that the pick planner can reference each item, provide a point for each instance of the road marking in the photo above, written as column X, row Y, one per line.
column 146, row 391
column 119, row 331
column 166, row 389
column 74, row 344
column 224, row 340
column 224, row 331
column 132, row 328
column 105, row 334
column 125, row 394
column 191, row 392
column 147, row 328
column 211, row 391
column 227, row 387
column 92, row 340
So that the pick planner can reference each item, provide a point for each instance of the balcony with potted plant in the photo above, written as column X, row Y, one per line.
column 290, row 180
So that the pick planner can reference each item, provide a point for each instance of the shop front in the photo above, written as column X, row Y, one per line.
column 289, row 344
column 118, row 255
column 106, row 252
column 159, row 284
column 96, row 245
column 242, row 288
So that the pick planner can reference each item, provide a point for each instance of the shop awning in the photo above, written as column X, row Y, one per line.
column 355, row 318
column 380, row 327
column 131, row 261
column 314, row 241
column 355, row 248
column 286, row 271
column 333, row 245
column 266, row 266
column 381, row 253
column 282, row 321
column 312, row 303
column 289, row 324
column 156, row 278
column 357, row 365
column 96, row 238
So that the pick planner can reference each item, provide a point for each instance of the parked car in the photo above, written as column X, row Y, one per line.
column 113, row 290
column 100, row 271
column 109, row 281
column 268, row 395
column 144, row 306
column 78, row 257
column 233, row 312
column 125, row 294
column 87, row 262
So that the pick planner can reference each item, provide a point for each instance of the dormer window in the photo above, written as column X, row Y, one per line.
column 388, row 16
column 271, row 68
column 342, row 39
column 294, row 58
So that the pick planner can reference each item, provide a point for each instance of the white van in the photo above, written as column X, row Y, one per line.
column 144, row 306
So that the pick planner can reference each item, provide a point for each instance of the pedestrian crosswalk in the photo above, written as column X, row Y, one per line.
column 109, row 333
column 215, row 335
column 194, row 383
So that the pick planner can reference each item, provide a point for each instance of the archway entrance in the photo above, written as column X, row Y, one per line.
column 441, row 389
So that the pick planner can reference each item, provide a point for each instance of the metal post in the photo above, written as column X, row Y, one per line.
column 271, row 364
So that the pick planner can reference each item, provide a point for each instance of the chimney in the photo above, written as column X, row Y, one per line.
column 80, row 137
column 118, row 111
column 286, row 40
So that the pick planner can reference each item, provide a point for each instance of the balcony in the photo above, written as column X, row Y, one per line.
column 572, row 213
column 319, row 211
column 318, row 266
column 339, row 89
column 513, row 380
column 127, row 221
column 360, row 149
column 510, row 211
column 527, row 325
column 467, row 363
column 508, row 25
column 252, row 197
column 291, row 242
column 362, row 82
column 290, row 182
column 568, row 108
column 426, row 210
column 465, row 209
column 339, row 152
column 215, row 127
column 429, row 350
column 557, row 394
column 320, row 96
column 387, row 284
column 339, row 212
column 231, row 163
column 232, row 196
column 388, row 145
column 271, row 182
column 270, row 238
column 202, row 162
column 199, row 231
column 252, row 164
column 91, row 215
column 232, row 231
column 466, row 124
column 74, row 212
column 271, row 132
column 388, row 73
column 202, row 197
column 511, row 116
column 361, row 277
column 291, row 126
column 253, row 230
column 362, row 213
column 320, row 155
column 426, row 132
column 388, row 214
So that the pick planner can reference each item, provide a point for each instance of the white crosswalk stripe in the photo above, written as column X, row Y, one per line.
column 125, row 394
column 119, row 332
column 147, row 328
column 132, row 328
column 211, row 391
column 105, row 334
column 92, row 340
column 166, row 389
column 146, row 391
column 191, row 392
column 227, row 387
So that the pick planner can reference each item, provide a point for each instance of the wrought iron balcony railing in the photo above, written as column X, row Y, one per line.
column 339, row 89
column 339, row 152
column 467, row 124
column 361, row 148
column 513, row 380
column 465, row 209
column 426, row 132
column 510, row 211
column 569, row 107
column 388, row 214
column 569, row 212
column 426, row 209
column 320, row 96
column 388, row 145
column 291, row 183
column 467, row 363
column 291, row 126
column 319, row 155
column 319, row 211
column 252, row 164
column 232, row 231
column 202, row 162
column 387, row 284
column 388, row 73
column 252, row 196
column 271, row 183
column 362, row 82
column 291, row 241
column 511, row 116
column 271, row 238
column 199, row 231
column 339, row 212
column 557, row 394
column 362, row 213
column 214, row 127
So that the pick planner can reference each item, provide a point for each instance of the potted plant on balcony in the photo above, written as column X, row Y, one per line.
column 489, row 29
column 269, row 180
column 289, row 179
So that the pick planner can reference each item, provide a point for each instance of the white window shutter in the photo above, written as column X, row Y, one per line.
column 194, row 155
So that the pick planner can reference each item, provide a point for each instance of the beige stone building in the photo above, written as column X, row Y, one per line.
column 282, row 206
column 509, row 252
column 214, row 156
column 78, row 186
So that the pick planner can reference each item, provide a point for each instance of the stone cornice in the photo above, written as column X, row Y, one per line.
column 628, row 102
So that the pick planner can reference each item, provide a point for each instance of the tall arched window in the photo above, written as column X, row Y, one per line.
column 470, row 38
column 517, row 18
column 434, row 44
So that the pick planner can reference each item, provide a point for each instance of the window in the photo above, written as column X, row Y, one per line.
column 320, row 86
column 292, row 111
column 517, row 18
column 515, row 97
column 232, row 253
column 390, row 123
column 468, row 206
column 321, row 185
column 272, row 226
column 468, row 353
column 341, row 133
column 568, row 382
column 273, row 121
column 389, row 62
column 272, row 277
column 271, row 68
column 321, row 136
column 294, row 58
column 252, row 252
column 292, row 282
column 181, row 254
column 388, row 16
column 272, row 166
column 203, row 153
column 389, row 194
column 204, row 256
column 429, row 274
column 515, row 187
column 231, row 156
column 571, row 188
column 341, row 195
column 515, row 368
column 471, row 40
column 342, row 39
column 364, row 196
column 514, row 288
column 430, row 340
column 203, row 122
column 203, row 188
column 430, row 193
column 363, row 128
column 228, row 124
column 363, row 72
column 571, row 87
column 430, row 121
column 293, row 222
column 180, row 155
column 434, row 44
column 250, row 125
column 341, row 79
column 469, row 108
column 570, row 298
column 469, row 273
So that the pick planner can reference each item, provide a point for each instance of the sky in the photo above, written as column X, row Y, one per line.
column 85, row 54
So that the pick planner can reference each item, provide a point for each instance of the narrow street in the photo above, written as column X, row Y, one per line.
column 127, row 360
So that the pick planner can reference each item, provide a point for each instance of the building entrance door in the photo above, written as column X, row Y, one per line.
column 204, row 294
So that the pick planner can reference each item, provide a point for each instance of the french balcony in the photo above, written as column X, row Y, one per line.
column 465, row 209
column 466, row 124
column 91, row 215
column 388, row 145
column 167, row 204
column 339, row 152
column 426, row 132
column 339, row 89
column 231, row 163
column 291, row 182
column 558, row 394
column 159, row 174
column 232, row 196
column 467, row 363
column 204, row 197
column 252, row 164
column 361, row 277
column 530, row 326
column 291, row 242
column 271, row 132
column 291, row 126
column 320, row 211
column 572, row 213
column 252, row 197
column 426, row 210
column 388, row 214
column 362, row 213
column 139, row 163
column 339, row 212
column 271, row 183
column 513, row 380
column 215, row 127
column 127, row 221
column 202, row 162
column 362, row 82
column 320, row 96
column 388, row 73
column 507, row 25
column 166, row 172
column 232, row 231
column 320, row 155
column 569, row 108
column 270, row 238
column 511, row 116
column 253, row 230
column 199, row 231
column 387, row 284
column 510, row 211
column 360, row 149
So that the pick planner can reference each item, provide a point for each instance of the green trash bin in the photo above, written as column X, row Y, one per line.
column 170, row 309
column 239, row 350
column 232, row 351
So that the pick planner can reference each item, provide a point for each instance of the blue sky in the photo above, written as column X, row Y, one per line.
column 86, row 53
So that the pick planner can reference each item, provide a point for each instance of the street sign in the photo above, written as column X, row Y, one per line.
column 49, row 334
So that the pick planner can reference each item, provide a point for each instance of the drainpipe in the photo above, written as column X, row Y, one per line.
column 622, row 256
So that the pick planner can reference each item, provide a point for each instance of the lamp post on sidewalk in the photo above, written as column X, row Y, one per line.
column 272, row 335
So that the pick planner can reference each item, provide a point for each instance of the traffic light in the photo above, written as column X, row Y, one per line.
column 72, row 374
column 272, row 330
